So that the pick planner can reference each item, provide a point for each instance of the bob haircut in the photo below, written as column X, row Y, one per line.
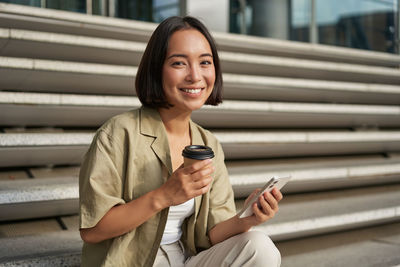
column 148, row 83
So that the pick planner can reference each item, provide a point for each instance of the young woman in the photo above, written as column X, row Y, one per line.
column 138, row 205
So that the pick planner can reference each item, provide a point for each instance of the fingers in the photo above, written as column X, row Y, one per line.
column 203, row 189
column 270, row 200
column 199, row 170
column 197, row 166
column 277, row 194
column 260, row 214
column 268, row 205
column 191, row 181
column 202, row 179
column 202, row 182
column 203, row 173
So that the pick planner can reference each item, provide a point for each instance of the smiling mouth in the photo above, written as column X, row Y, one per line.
column 191, row 91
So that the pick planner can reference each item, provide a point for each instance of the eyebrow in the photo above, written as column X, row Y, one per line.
column 185, row 56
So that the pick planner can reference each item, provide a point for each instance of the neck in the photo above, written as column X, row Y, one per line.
column 175, row 122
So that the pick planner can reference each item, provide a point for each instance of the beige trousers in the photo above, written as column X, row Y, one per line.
column 248, row 249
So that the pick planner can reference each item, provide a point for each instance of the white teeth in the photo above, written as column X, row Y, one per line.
column 192, row 91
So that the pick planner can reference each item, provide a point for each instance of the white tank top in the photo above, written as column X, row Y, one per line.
column 176, row 216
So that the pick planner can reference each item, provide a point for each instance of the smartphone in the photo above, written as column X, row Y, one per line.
column 275, row 181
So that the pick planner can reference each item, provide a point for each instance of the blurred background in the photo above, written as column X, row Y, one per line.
column 311, row 89
column 362, row 24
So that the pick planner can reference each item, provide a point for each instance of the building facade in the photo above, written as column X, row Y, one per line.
column 362, row 24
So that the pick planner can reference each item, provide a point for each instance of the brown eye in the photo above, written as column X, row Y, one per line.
column 206, row 62
column 178, row 63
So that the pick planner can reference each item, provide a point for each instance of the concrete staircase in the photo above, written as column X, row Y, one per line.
column 328, row 116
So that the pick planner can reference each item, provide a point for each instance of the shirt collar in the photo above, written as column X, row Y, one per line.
column 151, row 125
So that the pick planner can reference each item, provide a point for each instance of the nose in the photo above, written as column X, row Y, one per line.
column 194, row 74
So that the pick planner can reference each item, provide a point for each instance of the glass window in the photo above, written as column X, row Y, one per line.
column 163, row 9
column 23, row 2
column 133, row 9
column 148, row 10
column 71, row 5
column 300, row 17
column 240, row 19
column 364, row 24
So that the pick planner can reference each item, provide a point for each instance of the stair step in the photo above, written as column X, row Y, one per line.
column 52, row 172
column 57, row 46
column 66, row 77
column 372, row 246
column 306, row 214
column 284, row 48
column 38, row 109
column 30, row 149
column 45, row 45
column 302, row 68
column 348, row 209
column 30, row 227
column 303, row 90
column 13, row 175
column 256, row 114
column 310, row 174
column 48, row 20
column 239, row 63
column 58, row 195
column 43, row 148
column 35, row 198
column 62, row 248
column 268, row 144
column 75, row 77
column 56, row 21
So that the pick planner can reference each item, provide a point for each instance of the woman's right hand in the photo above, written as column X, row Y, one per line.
column 187, row 182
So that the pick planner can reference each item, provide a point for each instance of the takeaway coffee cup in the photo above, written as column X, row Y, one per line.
column 194, row 153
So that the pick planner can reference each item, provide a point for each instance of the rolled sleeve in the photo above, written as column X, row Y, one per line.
column 100, row 180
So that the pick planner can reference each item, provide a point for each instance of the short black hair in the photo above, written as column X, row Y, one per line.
column 148, row 83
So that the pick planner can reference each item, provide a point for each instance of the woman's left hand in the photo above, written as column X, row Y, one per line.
column 269, row 207
column 235, row 225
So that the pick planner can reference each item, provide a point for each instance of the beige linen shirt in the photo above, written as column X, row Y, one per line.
column 129, row 157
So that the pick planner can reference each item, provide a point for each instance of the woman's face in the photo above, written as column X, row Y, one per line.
column 188, row 71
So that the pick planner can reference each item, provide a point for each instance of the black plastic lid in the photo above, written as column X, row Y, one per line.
column 198, row 152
